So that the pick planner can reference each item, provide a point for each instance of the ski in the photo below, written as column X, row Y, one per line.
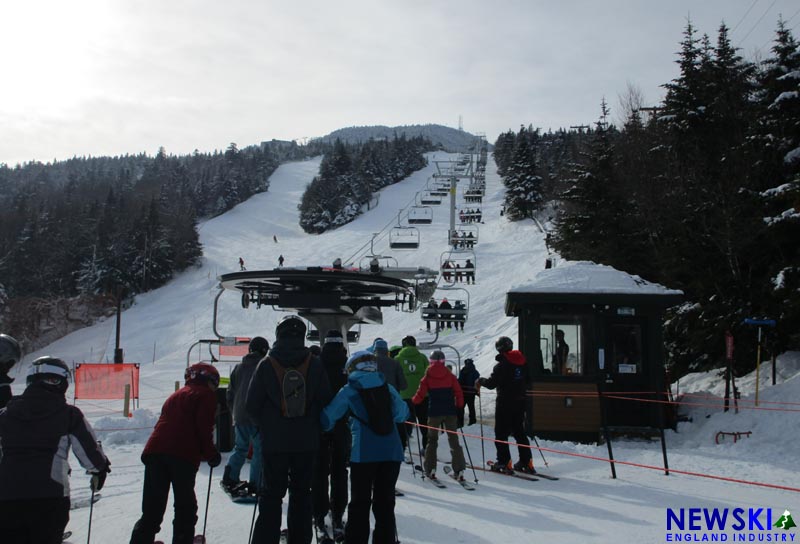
column 463, row 483
column 545, row 476
column 75, row 504
column 435, row 481
column 66, row 536
column 513, row 474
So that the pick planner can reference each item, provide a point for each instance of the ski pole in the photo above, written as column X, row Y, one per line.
column 91, row 510
column 480, row 414
column 540, row 451
column 469, row 456
column 208, row 499
column 255, row 508
column 411, row 457
column 419, row 442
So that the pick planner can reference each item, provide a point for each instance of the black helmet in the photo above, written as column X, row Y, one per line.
column 50, row 371
column 504, row 343
column 258, row 344
column 290, row 326
column 10, row 352
column 409, row 341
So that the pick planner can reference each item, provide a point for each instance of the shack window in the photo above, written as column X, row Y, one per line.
column 626, row 348
column 562, row 348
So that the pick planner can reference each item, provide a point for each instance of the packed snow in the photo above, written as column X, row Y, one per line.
column 585, row 505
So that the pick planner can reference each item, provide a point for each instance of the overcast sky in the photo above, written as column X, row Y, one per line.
column 107, row 77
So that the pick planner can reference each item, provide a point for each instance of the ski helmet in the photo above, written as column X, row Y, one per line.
column 363, row 361
column 504, row 343
column 290, row 326
column 201, row 373
column 259, row 345
column 10, row 352
column 437, row 356
column 50, row 371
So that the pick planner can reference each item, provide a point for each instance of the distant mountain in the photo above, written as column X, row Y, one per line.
column 450, row 139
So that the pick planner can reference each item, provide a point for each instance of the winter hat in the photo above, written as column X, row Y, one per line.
column 258, row 344
column 409, row 341
column 468, row 362
column 363, row 361
column 437, row 356
column 333, row 337
column 290, row 326
column 380, row 346
column 201, row 373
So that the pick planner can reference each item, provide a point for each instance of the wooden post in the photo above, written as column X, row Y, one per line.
column 126, row 410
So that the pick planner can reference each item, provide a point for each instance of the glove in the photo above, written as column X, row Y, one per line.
column 215, row 460
column 99, row 478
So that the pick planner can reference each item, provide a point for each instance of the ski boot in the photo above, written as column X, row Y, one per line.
column 338, row 527
column 502, row 468
column 526, row 467
column 228, row 483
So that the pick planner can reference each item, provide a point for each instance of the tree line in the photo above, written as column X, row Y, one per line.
column 75, row 233
column 700, row 193
column 351, row 173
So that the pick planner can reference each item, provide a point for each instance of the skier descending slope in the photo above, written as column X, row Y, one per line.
column 376, row 452
column 37, row 429
column 181, row 439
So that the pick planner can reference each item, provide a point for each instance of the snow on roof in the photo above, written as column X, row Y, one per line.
column 589, row 277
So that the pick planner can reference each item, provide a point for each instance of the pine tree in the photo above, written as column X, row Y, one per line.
column 523, row 182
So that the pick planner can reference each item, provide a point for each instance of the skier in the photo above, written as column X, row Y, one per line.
column 510, row 378
column 285, row 398
column 377, row 451
column 241, row 264
column 274, row 238
column 469, row 268
column 37, row 430
column 461, row 316
column 181, row 439
column 280, row 261
column 245, row 428
column 445, row 305
column 467, row 378
column 445, row 400
column 331, row 468
column 431, row 310
column 414, row 365
column 10, row 354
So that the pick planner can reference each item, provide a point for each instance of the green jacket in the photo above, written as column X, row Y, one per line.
column 414, row 365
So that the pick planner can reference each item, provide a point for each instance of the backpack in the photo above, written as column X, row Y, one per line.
column 292, row 382
column 378, row 403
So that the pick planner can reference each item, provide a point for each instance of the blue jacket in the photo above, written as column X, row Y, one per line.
column 367, row 446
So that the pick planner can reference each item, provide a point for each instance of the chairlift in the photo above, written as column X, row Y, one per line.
column 455, row 312
column 376, row 263
column 312, row 335
column 458, row 266
column 404, row 238
column 429, row 199
column 464, row 237
column 420, row 215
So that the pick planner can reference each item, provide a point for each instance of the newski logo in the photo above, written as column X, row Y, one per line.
column 729, row 525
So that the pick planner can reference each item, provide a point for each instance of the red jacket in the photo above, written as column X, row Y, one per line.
column 443, row 388
column 186, row 425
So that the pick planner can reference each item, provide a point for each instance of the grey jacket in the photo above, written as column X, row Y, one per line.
column 237, row 390
column 392, row 371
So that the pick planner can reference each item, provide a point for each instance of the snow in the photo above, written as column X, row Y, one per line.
column 586, row 505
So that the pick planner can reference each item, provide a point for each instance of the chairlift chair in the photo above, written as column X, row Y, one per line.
column 404, row 238
column 420, row 215
column 455, row 315
column 458, row 266
column 429, row 199
column 383, row 261
column 465, row 236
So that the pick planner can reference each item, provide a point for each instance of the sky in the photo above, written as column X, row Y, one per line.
column 585, row 506
column 99, row 77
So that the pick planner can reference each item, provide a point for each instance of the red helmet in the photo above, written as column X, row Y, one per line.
column 200, row 373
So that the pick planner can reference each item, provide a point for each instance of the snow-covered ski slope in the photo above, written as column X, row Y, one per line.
column 586, row 505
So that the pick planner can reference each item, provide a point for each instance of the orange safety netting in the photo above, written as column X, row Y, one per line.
column 106, row 381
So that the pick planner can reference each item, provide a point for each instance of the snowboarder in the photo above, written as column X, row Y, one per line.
column 10, row 354
column 377, row 449
column 181, row 439
column 285, row 398
column 241, row 264
column 37, row 429
column 414, row 365
column 467, row 378
column 280, row 261
column 331, row 469
column 510, row 378
column 245, row 428
column 445, row 400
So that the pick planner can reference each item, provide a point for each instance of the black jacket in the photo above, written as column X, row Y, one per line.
column 5, row 389
column 281, row 434
column 37, row 430
column 237, row 389
column 509, row 377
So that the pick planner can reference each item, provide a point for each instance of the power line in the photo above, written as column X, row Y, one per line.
column 745, row 15
column 786, row 23
column 757, row 22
